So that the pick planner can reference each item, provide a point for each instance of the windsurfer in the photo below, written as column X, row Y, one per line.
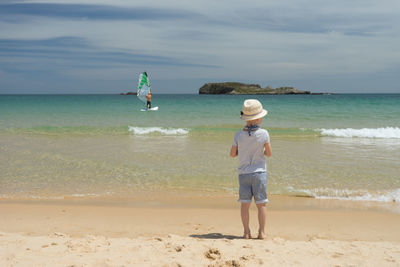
column 148, row 97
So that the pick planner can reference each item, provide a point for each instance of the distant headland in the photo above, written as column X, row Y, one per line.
column 235, row 88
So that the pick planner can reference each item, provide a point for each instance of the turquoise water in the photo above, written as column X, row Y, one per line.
column 288, row 111
column 326, row 146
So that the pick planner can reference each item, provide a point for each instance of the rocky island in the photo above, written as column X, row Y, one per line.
column 235, row 88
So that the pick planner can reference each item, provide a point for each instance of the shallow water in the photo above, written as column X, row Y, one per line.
column 336, row 146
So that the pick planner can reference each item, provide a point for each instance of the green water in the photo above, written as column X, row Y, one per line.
column 52, row 146
column 287, row 111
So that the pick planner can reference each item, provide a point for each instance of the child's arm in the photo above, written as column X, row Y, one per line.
column 267, row 150
column 234, row 151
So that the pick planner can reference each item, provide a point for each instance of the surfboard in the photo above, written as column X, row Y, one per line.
column 151, row 109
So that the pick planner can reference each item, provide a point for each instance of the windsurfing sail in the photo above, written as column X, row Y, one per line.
column 143, row 87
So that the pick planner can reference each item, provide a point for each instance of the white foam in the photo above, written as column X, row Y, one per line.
column 164, row 131
column 346, row 194
column 385, row 132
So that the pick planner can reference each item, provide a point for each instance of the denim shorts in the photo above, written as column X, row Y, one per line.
column 253, row 185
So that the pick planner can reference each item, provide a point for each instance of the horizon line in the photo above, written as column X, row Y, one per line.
column 124, row 94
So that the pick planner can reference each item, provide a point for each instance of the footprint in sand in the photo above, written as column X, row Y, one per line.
column 229, row 263
column 57, row 234
column 178, row 248
column 247, row 257
column 232, row 263
column 212, row 254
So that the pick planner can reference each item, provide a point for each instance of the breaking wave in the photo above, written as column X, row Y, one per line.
column 159, row 130
column 346, row 194
column 385, row 133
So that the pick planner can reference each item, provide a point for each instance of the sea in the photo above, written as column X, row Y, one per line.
column 339, row 146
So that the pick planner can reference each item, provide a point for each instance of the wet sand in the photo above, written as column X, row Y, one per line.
column 196, row 231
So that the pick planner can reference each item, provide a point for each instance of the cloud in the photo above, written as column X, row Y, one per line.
column 90, row 12
column 65, row 53
column 298, row 18
column 260, row 40
column 281, row 18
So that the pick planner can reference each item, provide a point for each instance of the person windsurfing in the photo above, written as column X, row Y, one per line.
column 144, row 91
column 148, row 97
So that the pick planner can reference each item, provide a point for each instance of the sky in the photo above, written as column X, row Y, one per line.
column 101, row 46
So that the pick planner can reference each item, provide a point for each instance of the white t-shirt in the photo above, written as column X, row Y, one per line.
column 251, row 150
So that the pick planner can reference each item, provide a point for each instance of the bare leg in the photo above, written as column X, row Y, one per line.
column 262, row 218
column 244, row 211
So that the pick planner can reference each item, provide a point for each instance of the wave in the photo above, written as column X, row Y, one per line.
column 72, row 130
column 385, row 133
column 346, row 194
column 370, row 133
column 95, row 130
column 159, row 130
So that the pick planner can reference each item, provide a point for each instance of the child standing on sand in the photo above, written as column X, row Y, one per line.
column 251, row 145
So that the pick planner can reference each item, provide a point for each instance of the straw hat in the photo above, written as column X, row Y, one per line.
column 252, row 110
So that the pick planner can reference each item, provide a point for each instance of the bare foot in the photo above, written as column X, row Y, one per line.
column 247, row 235
column 261, row 235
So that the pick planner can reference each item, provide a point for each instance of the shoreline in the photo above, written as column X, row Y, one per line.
column 195, row 231
column 352, row 220
column 207, row 199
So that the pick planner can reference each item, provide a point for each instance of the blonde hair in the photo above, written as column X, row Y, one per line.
column 254, row 122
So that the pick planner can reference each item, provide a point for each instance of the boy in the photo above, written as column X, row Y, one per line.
column 148, row 97
column 252, row 144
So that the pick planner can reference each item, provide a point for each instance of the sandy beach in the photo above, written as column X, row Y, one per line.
column 126, row 126
column 193, row 231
